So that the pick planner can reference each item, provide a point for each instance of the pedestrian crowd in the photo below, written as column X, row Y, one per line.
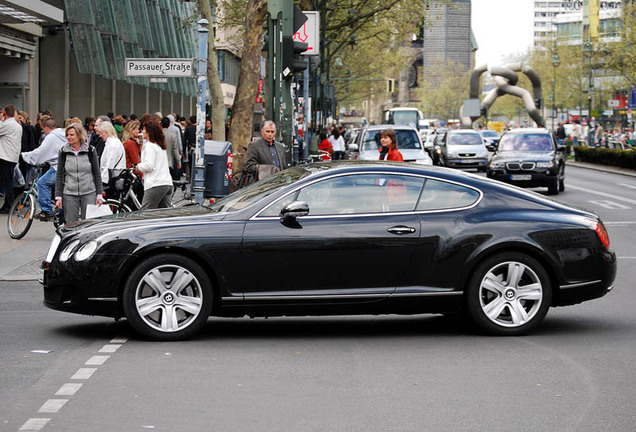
column 595, row 135
column 79, row 159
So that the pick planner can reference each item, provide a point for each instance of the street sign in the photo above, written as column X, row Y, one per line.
column 159, row 67
column 309, row 33
column 613, row 103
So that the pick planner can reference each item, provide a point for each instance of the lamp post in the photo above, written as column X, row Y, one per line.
column 556, row 61
column 587, row 51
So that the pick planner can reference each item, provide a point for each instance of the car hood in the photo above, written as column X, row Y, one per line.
column 518, row 156
column 134, row 220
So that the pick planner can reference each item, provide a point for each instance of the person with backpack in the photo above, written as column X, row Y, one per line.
column 78, row 179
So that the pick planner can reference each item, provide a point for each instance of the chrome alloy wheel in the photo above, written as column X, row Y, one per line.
column 510, row 294
column 168, row 298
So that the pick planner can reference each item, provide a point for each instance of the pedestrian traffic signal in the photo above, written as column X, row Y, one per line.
column 292, row 60
column 390, row 85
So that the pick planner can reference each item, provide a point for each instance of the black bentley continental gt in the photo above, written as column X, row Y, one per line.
column 391, row 238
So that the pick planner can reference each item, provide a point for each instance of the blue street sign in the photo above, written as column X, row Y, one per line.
column 632, row 99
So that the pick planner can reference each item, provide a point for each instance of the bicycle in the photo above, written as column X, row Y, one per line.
column 23, row 208
column 186, row 198
column 125, row 192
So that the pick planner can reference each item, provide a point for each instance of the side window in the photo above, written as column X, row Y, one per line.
column 440, row 195
column 356, row 194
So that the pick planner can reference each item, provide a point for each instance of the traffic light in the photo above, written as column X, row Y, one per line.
column 292, row 60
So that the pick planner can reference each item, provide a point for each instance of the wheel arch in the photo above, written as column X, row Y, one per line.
column 147, row 253
column 531, row 250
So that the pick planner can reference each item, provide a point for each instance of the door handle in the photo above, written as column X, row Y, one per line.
column 401, row 229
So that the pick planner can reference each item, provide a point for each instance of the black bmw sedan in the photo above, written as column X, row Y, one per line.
column 388, row 238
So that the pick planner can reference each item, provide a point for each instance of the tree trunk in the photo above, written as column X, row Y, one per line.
column 214, row 79
column 243, row 109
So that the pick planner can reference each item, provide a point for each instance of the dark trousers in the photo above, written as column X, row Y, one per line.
column 6, row 181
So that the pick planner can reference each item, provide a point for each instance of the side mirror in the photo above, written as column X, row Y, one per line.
column 492, row 147
column 353, row 147
column 561, row 148
column 294, row 210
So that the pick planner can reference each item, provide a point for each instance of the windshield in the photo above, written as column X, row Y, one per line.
column 465, row 139
column 403, row 117
column 525, row 142
column 490, row 134
column 247, row 196
column 407, row 139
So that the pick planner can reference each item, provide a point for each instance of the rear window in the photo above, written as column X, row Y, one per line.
column 440, row 195
column 407, row 139
column 526, row 142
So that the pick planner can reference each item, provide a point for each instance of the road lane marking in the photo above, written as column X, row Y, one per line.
column 631, row 186
column 52, row 406
column 610, row 205
column 34, row 424
column 603, row 194
column 96, row 360
column 619, row 223
column 84, row 373
column 68, row 389
column 110, row 348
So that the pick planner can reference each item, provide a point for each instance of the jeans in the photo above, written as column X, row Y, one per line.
column 45, row 187
column 6, row 182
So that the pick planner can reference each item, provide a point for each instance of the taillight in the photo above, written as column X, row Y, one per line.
column 602, row 234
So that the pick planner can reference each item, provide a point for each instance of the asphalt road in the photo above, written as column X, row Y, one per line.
column 425, row 373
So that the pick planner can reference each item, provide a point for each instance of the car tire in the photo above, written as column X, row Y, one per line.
column 553, row 188
column 508, row 294
column 562, row 179
column 167, row 297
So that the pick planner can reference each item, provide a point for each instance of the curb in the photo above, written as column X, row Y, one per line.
column 602, row 168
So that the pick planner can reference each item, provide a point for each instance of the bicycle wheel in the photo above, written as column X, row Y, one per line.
column 21, row 215
column 116, row 206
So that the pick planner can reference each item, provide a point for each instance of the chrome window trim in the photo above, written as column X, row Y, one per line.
column 477, row 201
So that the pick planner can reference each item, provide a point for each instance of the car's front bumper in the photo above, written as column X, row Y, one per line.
column 524, row 179
column 479, row 163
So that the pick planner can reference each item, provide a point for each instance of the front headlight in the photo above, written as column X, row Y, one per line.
column 68, row 250
column 548, row 164
column 85, row 252
column 497, row 164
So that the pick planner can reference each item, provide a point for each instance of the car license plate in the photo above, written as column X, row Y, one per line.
column 520, row 176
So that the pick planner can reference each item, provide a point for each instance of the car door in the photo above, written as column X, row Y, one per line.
column 356, row 242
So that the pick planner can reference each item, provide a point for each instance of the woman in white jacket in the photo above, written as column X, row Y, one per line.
column 154, row 165
column 114, row 155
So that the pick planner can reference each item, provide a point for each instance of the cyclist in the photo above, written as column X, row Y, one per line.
column 47, row 153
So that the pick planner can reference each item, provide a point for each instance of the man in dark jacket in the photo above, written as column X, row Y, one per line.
column 266, row 156
column 560, row 134
column 189, row 144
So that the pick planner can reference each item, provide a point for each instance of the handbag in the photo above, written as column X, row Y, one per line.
column 116, row 179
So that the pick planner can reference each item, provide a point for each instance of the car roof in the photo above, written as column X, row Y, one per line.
column 390, row 126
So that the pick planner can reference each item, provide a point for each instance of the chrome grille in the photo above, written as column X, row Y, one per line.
column 520, row 166
column 467, row 154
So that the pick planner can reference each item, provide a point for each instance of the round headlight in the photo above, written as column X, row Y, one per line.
column 68, row 250
column 86, row 251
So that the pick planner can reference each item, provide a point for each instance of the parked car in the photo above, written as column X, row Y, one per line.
column 490, row 137
column 394, row 238
column 409, row 143
column 529, row 157
column 462, row 148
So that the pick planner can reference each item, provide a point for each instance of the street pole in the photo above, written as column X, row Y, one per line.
column 202, row 87
column 556, row 61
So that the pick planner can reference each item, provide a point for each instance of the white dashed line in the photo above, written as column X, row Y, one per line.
column 119, row 340
column 68, row 389
column 52, row 406
column 83, row 373
column 109, row 348
column 34, row 424
column 96, row 360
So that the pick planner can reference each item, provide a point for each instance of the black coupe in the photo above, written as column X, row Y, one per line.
column 336, row 238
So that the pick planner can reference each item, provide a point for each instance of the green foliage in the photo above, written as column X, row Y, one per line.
column 444, row 97
column 605, row 156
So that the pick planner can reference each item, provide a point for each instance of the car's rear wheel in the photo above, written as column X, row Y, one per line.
column 167, row 297
column 509, row 294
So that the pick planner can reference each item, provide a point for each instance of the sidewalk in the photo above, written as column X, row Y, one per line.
column 20, row 260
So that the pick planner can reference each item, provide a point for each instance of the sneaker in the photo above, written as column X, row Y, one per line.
column 45, row 217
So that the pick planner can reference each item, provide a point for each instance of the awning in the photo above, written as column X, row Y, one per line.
column 29, row 11
column 16, row 47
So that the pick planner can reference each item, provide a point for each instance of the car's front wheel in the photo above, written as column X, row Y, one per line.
column 509, row 294
column 167, row 297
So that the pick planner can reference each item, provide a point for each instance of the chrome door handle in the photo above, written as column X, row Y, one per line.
column 401, row 229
